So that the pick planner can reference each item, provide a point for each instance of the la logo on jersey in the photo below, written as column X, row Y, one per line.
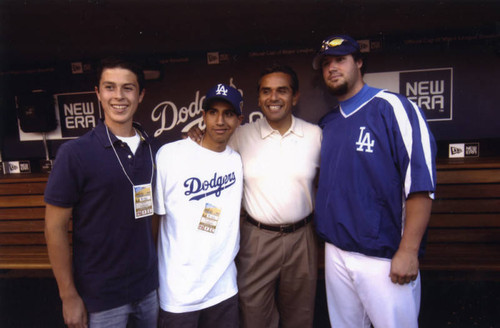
column 365, row 142
column 221, row 90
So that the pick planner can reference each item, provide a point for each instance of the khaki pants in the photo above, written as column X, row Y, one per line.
column 277, row 275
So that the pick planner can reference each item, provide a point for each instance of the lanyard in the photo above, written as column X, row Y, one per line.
column 119, row 161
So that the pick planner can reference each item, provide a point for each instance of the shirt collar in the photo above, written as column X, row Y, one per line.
column 266, row 130
column 357, row 101
column 101, row 134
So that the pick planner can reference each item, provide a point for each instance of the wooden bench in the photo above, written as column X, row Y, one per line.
column 464, row 230
column 22, row 211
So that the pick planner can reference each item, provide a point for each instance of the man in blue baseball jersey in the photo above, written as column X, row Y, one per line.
column 374, row 196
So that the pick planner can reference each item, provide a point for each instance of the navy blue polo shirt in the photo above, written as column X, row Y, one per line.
column 114, row 256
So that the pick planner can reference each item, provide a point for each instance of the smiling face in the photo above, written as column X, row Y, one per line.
column 276, row 99
column 119, row 95
column 342, row 75
column 221, row 121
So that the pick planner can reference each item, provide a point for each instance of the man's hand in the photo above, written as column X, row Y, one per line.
column 74, row 312
column 56, row 234
column 404, row 267
column 196, row 134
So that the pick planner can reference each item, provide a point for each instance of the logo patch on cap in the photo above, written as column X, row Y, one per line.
column 227, row 93
column 221, row 90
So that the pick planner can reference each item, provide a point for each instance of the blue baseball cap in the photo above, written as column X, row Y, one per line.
column 335, row 45
column 226, row 93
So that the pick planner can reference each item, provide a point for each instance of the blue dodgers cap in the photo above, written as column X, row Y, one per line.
column 335, row 45
column 226, row 93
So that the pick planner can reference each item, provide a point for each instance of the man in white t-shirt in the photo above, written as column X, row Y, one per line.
column 198, row 196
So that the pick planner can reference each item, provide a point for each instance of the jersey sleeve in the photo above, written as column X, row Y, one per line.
column 415, row 148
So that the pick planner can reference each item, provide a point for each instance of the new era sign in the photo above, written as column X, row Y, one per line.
column 430, row 89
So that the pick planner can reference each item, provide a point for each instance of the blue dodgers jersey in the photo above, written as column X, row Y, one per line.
column 371, row 160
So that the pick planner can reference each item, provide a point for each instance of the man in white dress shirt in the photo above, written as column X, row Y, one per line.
column 277, row 262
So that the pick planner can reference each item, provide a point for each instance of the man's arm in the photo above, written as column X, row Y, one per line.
column 404, row 265
column 56, row 235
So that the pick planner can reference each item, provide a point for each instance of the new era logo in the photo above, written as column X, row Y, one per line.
column 471, row 150
column 463, row 150
column 456, row 150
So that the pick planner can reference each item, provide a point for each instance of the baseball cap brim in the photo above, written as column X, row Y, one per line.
column 208, row 102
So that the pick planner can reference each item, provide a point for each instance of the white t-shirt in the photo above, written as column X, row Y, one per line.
column 196, row 256
column 132, row 142
column 279, row 170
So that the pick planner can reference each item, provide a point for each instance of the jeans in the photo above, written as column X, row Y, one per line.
column 140, row 314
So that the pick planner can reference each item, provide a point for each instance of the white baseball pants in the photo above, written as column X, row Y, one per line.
column 359, row 291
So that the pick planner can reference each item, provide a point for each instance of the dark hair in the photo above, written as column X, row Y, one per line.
column 279, row 68
column 125, row 63
column 358, row 55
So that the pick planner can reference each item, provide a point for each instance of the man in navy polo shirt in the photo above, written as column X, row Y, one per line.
column 103, row 180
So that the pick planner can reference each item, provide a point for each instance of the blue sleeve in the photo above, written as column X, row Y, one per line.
column 66, row 178
column 415, row 147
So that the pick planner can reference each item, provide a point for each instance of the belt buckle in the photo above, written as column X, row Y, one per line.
column 284, row 227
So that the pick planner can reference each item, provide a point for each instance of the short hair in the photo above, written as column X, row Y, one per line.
column 279, row 68
column 125, row 63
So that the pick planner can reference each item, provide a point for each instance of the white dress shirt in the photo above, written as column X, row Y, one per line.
column 278, row 170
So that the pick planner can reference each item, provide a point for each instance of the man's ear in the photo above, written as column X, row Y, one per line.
column 295, row 98
column 96, row 89
column 360, row 63
column 141, row 95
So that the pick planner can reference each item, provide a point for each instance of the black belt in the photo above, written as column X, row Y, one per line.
column 284, row 228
